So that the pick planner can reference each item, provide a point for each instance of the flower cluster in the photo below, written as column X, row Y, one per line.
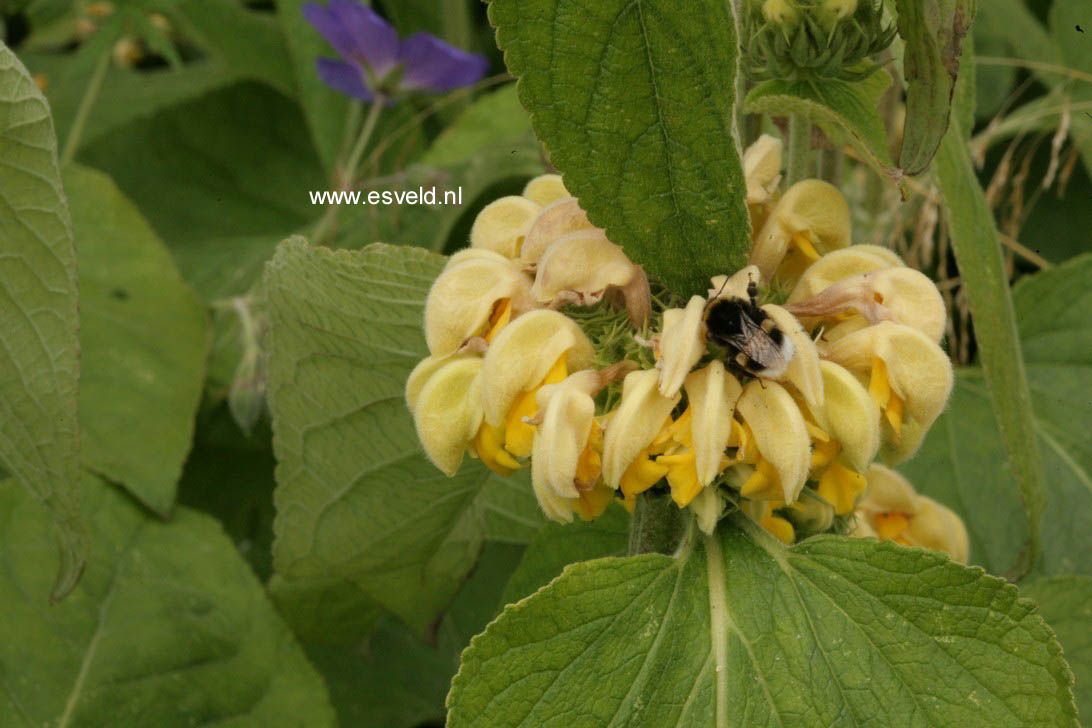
column 782, row 414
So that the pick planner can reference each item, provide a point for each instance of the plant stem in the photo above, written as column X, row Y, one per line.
column 799, row 148
column 90, row 96
column 347, row 173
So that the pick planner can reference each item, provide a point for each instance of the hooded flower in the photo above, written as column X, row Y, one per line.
column 537, row 349
column 546, row 189
column 811, row 219
column 762, row 173
column 636, row 430
column 909, row 377
column 473, row 298
column 375, row 62
column 893, row 510
column 502, row 225
column 554, row 221
column 444, row 396
column 774, row 440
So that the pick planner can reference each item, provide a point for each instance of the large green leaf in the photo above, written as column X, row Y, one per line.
column 634, row 102
column 844, row 109
column 933, row 32
column 355, row 497
column 230, row 166
column 738, row 630
column 168, row 628
column 963, row 460
column 39, row 349
column 144, row 336
column 982, row 272
column 1066, row 604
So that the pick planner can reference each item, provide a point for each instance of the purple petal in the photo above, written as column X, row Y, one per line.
column 330, row 27
column 343, row 77
column 434, row 65
column 375, row 41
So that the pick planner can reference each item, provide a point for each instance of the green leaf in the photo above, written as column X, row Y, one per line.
column 393, row 680
column 978, row 254
column 558, row 545
column 224, row 172
column 963, row 460
column 39, row 353
column 168, row 627
column 248, row 42
column 736, row 624
column 637, row 112
column 355, row 497
column 844, row 109
column 331, row 611
column 494, row 122
column 933, row 33
column 1066, row 604
column 143, row 336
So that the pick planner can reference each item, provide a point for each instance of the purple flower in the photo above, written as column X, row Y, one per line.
column 375, row 60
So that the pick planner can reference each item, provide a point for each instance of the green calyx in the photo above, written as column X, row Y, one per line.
column 814, row 39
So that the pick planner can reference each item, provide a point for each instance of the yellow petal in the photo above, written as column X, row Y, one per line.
column 712, row 393
column 682, row 344
column 584, row 263
column 558, row 219
column 592, row 503
column 918, row 371
column 546, row 189
column 641, row 474
column 463, row 298
column 841, row 487
column 682, row 476
column 888, row 491
column 803, row 368
column 561, row 440
column 780, row 433
column 811, row 207
column 762, row 168
column 448, row 412
column 638, row 419
column 936, row 526
column 502, row 225
column 735, row 286
column 489, row 447
column 424, row 370
column 851, row 416
column 466, row 254
column 841, row 264
column 521, row 356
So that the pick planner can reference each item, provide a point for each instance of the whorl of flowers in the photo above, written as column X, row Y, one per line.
column 550, row 349
column 813, row 39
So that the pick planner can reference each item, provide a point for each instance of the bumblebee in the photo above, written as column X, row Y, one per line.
column 753, row 341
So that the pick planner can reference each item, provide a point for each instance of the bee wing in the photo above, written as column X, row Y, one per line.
column 756, row 344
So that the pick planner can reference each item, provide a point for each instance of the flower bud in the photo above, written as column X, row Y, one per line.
column 502, row 225
column 781, row 437
column 811, row 219
column 636, row 422
column 780, row 12
column 448, row 411
column 523, row 354
column 559, row 218
column 681, row 344
column 546, row 189
column 466, row 296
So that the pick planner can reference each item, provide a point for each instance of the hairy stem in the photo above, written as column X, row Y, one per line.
column 347, row 172
column 658, row 525
column 799, row 148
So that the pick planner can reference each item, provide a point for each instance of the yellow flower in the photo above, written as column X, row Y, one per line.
column 803, row 368
column 546, row 189
column 811, row 219
column 781, row 451
column 893, row 510
column 839, row 264
column 471, row 299
column 634, row 431
column 537, row 349
column 909, row 378
column 579, row 267
column 899, row 294
column 445, row 398
column 762, row 513
column 502, row 225
column 762, row 173
column 560, row 218
column 566, row 460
